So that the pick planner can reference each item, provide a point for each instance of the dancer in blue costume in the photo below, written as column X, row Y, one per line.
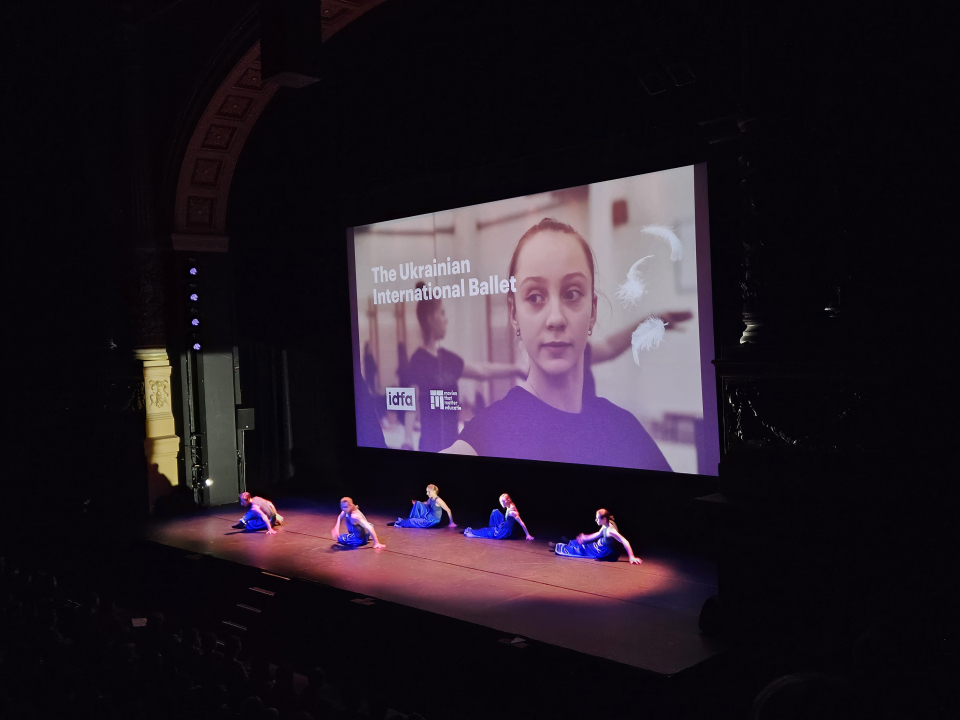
column 599, row 545
column 501, row 524
column 359, row 529
column 261, row 514
column 426, row 514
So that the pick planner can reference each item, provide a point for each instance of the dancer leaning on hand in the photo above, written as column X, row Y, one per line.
column 599, row 545
column 501, row 524
column 359, row 529
column 261, row 515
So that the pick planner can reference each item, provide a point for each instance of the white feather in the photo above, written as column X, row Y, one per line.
column 632, row 289
column 647, row 336
column 665, row 233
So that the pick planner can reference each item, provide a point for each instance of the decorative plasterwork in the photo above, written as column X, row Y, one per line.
column 203, row 188
column 212, row 154
column 335, row 14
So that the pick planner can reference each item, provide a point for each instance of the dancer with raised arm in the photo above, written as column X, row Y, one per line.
column 261, row 514
column 599, row 545
column 501, row 523
column 426, row 514
column 359, row 529
column 432, row 367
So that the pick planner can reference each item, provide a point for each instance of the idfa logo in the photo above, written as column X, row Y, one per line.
column 401, row 399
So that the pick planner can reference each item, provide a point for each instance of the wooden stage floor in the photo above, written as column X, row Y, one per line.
column 644, row 616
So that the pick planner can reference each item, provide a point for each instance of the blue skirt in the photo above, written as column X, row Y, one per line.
column 254, row 521
column 598, row 550
column 499, row 527
column 420, row 517
column 353, row 539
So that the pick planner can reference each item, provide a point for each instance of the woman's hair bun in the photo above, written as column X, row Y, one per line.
column 421, row 285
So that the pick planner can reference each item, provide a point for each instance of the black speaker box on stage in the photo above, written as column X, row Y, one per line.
column 245, row 419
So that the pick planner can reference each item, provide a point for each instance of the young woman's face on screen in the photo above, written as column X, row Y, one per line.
column 554, row 304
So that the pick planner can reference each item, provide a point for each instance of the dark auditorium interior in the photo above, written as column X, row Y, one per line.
column 242, row 138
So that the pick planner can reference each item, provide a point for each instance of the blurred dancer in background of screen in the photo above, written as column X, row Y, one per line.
column 432, row 367
column 547, row 416
column 616, row 344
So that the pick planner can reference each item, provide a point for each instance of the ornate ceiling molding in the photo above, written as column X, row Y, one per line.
column 335, row 14
column 200, row 212
column 203, row 188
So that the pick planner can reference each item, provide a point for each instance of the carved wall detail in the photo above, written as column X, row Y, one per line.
column 161, row 444
column 211, row 157
column 203, row 187
column 811, row 417
column 159, row 393
column 335, row 14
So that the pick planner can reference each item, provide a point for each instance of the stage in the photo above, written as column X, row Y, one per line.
column 643, row 616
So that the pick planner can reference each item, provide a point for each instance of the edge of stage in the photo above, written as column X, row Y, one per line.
column 643, row 616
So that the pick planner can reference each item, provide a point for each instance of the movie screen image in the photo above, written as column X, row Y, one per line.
column 569, row 326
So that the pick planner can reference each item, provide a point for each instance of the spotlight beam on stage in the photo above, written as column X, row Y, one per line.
column 642, row 616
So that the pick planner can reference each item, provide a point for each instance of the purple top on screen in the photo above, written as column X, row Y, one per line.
column 438, row 427
column 524, row 427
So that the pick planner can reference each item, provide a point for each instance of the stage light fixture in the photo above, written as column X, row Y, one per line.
column 208, row 482
column 192, row 297
column 194, row 316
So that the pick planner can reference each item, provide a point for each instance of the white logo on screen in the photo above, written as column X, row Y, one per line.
column 401, row 399
column 444, row 400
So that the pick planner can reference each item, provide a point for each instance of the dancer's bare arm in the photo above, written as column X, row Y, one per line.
column 360, row 520
column 266, row 519
column 335, row 533
column 446, row 507
column 617, row 343
column 491, row 370
column 516, row 515
column 634, row 560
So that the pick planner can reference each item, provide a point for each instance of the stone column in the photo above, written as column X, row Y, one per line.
column 161, row 444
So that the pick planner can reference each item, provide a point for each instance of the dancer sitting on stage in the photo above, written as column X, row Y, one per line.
column 262, row 514
column 426, row 514
column 598, row 545
column 359, row 529
column 500, row 526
